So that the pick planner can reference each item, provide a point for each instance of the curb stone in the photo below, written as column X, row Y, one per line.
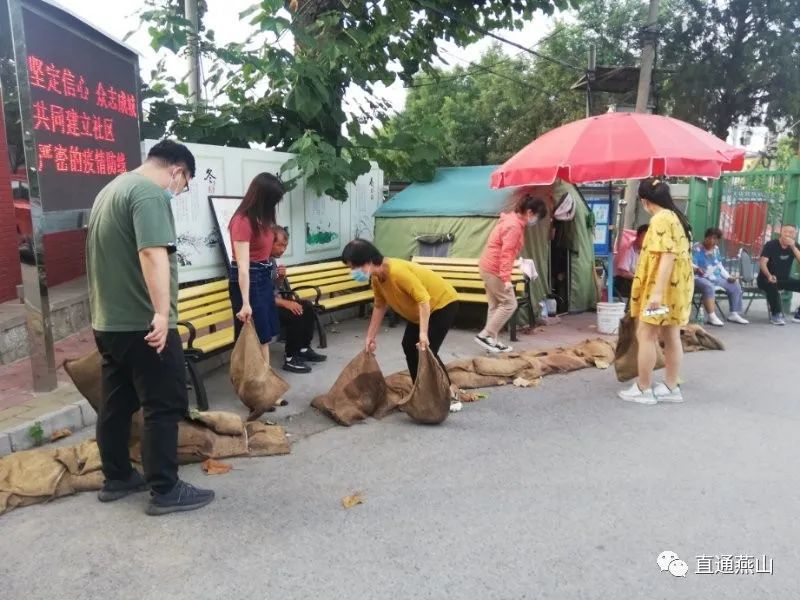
column 75, row 416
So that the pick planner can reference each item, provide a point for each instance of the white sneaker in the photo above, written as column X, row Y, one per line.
column 664, row 394
column 487, row 342
column 634, row 394
column 737, row 318
column 713, row 319
column 455, row 406
column 501, row 347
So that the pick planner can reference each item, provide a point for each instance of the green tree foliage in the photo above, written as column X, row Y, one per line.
column 732, row 60
column 483, row 113
column 293, row 100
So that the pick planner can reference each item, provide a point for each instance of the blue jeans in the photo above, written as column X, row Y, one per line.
column 707, row 289
column 262, row 300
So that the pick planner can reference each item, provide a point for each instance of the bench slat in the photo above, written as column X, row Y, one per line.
column 316, row 278
column 202, row 301
column 195, row 291
column 209, row 320
column 319, row 267
column 214, row 341
column 346, row 300
column 200, row 311
column 332, row 288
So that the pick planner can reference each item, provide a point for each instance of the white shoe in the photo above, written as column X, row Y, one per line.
column 713, row 319
column 455, row 406
column 664, row 394
column 487, row 342
column 634, row 394
column 501, row 347
column 737, row 318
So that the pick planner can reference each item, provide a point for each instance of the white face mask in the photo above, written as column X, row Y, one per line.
column 533, row 221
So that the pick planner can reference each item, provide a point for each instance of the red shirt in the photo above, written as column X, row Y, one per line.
column 260, row 243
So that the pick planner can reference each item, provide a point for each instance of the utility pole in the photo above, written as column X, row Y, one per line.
column 643, row 97
column 590, row 77
column 192, row 15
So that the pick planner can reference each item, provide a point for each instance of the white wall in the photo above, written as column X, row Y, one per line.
column 319, row 227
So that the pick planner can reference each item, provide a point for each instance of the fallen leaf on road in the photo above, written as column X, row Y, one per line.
column 351, row 500
column 525, row 383
column 60, row 434
column 215, row 467
column 601, row 364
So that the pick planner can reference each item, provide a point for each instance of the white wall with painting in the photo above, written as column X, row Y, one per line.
column 319, row 227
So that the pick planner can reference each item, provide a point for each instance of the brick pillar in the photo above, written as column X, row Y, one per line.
column 10, row 275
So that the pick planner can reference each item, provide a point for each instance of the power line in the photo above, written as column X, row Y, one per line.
column 479, row 68
column 482, row 30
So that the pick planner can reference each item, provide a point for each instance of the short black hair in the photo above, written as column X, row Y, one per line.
column 536, row 205
column 361, row 252
column 713, row 232
column 171, row 153
column 642, row 229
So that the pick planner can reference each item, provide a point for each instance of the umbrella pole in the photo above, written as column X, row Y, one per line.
column 614, row 240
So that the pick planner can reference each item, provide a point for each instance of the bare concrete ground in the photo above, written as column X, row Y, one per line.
column 562, row 491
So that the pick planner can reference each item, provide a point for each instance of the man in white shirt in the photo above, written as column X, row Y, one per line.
column 623, row 278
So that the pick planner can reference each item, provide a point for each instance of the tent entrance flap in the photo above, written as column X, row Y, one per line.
column 435, row 244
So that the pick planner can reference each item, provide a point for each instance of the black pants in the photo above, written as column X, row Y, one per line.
column 299, row 329
column 135, row 375
column 622, row 287
column 439, row 324
column 773, row 291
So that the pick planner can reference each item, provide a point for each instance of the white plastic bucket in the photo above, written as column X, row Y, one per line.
column 608, row 316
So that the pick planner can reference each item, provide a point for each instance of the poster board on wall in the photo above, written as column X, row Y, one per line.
column 223, row 208
column 318, row 227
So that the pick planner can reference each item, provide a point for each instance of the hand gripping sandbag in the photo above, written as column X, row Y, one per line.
column 256, row 384
column 626, row 355
column 429, row 400
column 357, row 393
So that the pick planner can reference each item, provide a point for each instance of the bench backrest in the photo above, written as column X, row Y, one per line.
column 328, row 278
column 464, row 273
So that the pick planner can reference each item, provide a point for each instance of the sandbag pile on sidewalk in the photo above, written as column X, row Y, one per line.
column 693, row 339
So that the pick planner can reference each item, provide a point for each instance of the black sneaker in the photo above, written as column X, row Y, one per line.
column 293, row 364
column 114, row 489
column 184, row 496
column 309, row 355
column 796, row 317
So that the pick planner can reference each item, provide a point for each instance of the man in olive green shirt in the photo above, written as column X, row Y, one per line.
column 133, row 292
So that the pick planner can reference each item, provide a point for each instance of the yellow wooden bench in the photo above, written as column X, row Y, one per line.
column 205, row 321
column 464, row 275
column 329, row 287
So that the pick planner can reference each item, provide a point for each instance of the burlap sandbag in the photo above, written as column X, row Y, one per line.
column 256, row 384
column 224, row 423
column 266, row 440
column 429, row 400
column 695, row 338
column 196, row 442
column 595, row 350
column 503, row 366
column 563, row 360
column 626, row 355
column 86, row 374
column 463, row 374
column 398, row 387
column 358, row 391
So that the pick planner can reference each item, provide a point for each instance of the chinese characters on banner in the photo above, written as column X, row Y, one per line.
column 84, row 109
column 56, row 119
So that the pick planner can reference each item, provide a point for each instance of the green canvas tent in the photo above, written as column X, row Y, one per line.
column 453, row 215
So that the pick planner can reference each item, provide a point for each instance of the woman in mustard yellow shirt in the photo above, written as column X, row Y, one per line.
column 426, row 301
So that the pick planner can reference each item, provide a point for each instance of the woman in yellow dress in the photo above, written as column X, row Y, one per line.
column 661, row 294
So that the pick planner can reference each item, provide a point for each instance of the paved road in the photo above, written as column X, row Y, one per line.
column 559, row 492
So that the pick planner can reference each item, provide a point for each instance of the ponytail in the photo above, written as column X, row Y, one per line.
column 656, row 190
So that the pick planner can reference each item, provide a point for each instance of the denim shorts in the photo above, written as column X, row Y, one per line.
column 262, row 300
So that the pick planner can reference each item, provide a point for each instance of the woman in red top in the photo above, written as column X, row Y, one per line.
column 496, row 264
column 252, row 235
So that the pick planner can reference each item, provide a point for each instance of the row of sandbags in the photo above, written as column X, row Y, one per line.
column 361, row 390
column 39, row 475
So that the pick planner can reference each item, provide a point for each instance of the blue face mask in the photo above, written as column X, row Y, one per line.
column 359, row 275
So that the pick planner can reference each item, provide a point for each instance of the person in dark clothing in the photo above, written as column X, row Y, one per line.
column 297, row 318
column 132, row 270
column 775, row 271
